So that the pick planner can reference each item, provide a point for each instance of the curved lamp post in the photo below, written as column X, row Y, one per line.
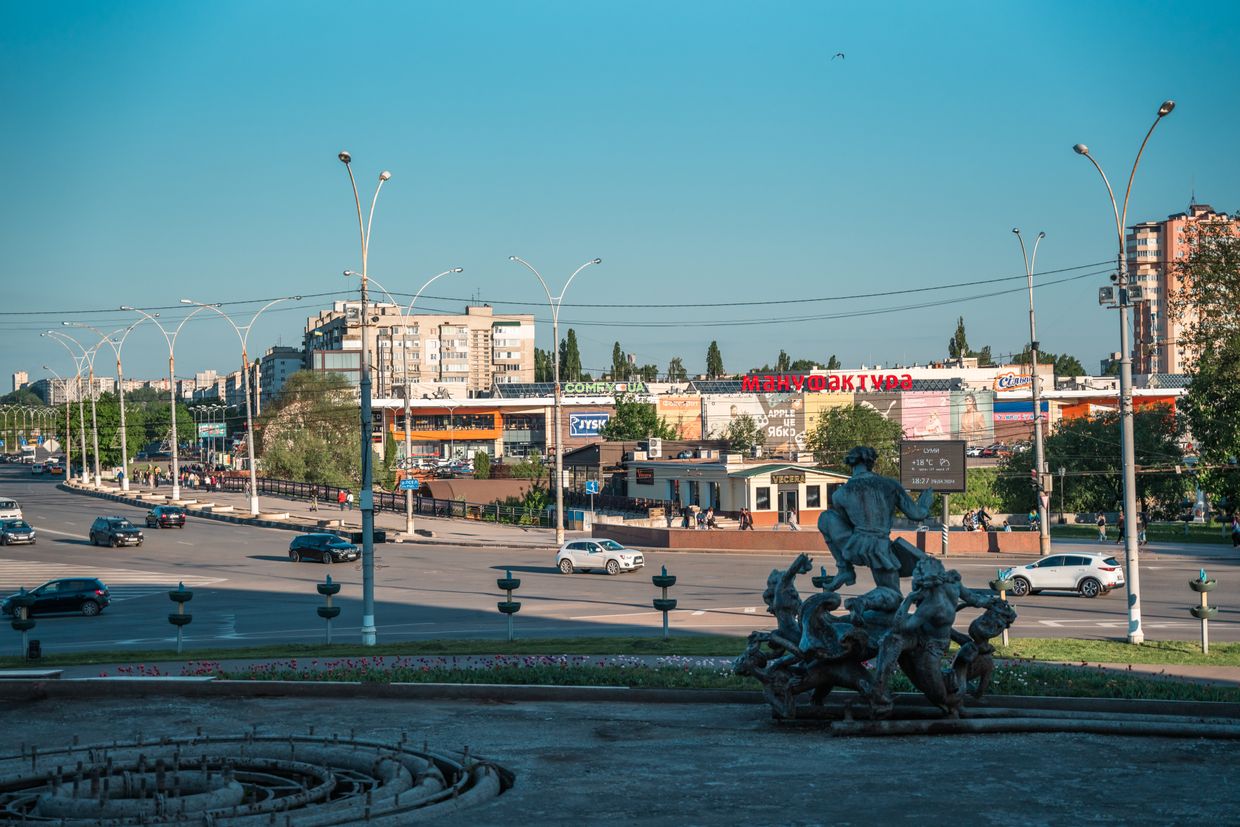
column 87, row 361
column 117, row 346
column 1128, row 454
column 404, row 359
column 554, row 303
column 369, row 632
column 243, row 335
column 1039, row 456
column 171, row 340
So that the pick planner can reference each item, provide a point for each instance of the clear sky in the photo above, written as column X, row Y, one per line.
column 711, row 153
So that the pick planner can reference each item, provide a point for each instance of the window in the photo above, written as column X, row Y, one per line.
column 762, row 498
column 694, row 497
column 813, row 498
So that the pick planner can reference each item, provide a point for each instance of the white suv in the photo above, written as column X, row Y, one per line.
column 598, row 554
column 1090, row 573
column 9, row 509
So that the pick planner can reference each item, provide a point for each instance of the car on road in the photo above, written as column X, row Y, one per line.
column 13, row 532
column 165, row 516
column 114, row 531
column 83, row 595
column 997, row 449
column 973, row 451
column 37, row 468
column 607, row 555
column 1088, row 573
column 9, row 509
column 326, row 548
column 56, row 468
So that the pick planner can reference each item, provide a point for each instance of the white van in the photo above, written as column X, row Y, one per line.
column 9, row 509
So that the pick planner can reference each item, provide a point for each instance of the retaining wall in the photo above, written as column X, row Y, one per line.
column 809, row 539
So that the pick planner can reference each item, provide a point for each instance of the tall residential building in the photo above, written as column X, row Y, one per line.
column 274, row 368
column 472, row 351
column 1153, row 249
column 20, row 380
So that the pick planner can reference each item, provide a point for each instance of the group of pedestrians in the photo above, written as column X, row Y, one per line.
column 1119, row 539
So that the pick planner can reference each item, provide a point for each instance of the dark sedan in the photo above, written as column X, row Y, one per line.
column 165, row 516
column 80, row 595
column 13, row 532
column 326, row 548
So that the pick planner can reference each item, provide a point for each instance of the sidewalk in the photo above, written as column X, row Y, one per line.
column 295, row 515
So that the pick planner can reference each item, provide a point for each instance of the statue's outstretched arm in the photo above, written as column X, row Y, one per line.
column 918, row 510
column 978, row 600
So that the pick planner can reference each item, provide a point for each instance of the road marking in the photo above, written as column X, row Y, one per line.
column 751, row 610
column 698, row 613
column 54, row 531
column 123, row 584
column 183, row 543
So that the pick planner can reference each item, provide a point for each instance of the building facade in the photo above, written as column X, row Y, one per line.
column 1153, row 250
column 472, row 351
column 274, row 369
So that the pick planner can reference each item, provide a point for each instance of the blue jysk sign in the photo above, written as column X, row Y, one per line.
column 586, row 424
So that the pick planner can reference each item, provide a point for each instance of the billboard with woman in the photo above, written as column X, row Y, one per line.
column 972, row 414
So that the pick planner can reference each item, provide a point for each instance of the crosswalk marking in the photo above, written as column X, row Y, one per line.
column 123, row 584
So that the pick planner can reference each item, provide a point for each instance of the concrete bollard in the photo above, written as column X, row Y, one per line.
column 328, row 611
column 664, row 604
column 1205, row 611
column 21, row 621
column 180, row 618
column 509, row 606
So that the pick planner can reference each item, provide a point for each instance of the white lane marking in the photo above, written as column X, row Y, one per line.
column 183, row 543
column 54, row 531
column 698, row 613
column 751, row 610
column 123, row 584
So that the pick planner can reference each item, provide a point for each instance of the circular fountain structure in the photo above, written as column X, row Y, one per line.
column 248, row 779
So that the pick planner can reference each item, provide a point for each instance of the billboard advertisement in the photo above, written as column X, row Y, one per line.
column 683, row 413
column 586, row 424
column 972, row 416
column 926, row 415
column 780, row 417
column 212, row 430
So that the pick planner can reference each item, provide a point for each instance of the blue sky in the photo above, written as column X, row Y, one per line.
column 710, row 153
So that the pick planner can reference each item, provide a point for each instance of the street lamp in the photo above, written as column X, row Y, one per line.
column 1128, row 454
column 244, row 338
column 554, row 303
column 87, row 360
column 404, row 358
column 369, row 632
column 1041, row 494
column 171, row 341
column 68, row 436
column 120, row 385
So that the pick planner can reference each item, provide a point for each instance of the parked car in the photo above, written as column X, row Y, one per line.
column 607, row 555
column 114, row 531
column 13, row 532
column 9, row 509
column 326, row 548
column 86, row 595
column 1089, row 573
column 973, row 451
column 165, row 516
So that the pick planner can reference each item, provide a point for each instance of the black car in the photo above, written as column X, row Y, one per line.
column 86, row 595
column 165, row 516
column 13, row 532
column 114, row 531
column 326, row 548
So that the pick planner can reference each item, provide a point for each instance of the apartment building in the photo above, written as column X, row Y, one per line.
column 469, row 352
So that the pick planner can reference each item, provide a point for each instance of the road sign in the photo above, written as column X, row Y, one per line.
column 591, row 486
column 410, row 484
column 937, row 464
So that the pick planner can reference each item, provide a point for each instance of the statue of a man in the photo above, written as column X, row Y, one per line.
column 857, row 526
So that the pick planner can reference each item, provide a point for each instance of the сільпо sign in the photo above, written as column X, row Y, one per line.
column 937, row 464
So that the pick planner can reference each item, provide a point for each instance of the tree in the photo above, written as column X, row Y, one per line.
column 839, row 430
column 311, row 433
column 958, row 347
column 833, row 363
column 619, row 363
column 544, row 366
column 482, row 465
column 1088, row 448
column 22, row 396
column 1065, row 365
column 714, row 361
column 635, row 420
column 783, row 363
column 570, row 358
column 676, row 370
column 802, row 366
column 108, row 415
column 742, row 434
column 648, row 373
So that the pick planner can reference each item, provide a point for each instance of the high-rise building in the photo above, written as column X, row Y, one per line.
column 466, row 353
column 20, row 380
column 274, row 368
column 1153, row 250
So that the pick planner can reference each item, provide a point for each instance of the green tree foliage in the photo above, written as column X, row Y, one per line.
column 1208, row 305
column 570, row 359
column 647, row 373
column 839, row 430
column 1065, row 364
column 714, row 361
column 156, row 422
column 979, row 493
column 676, row 370
column 544, row 367
column 833, row 363
column 783, row 363
column 742, row 434
column 958, row 347
column 145, row 395
column 619, row 363
column 482, row 466
column 108, row 416
column 634, row 419
column 312, row 432
column 1089, row 450
column 22, row 396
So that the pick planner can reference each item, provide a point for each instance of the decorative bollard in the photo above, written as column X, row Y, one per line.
column 664, row 604
column 1001, row 586
column 1205, row 611
column 820, row 580
column 328, row 611
column 180, row 618
column 509, row 607
column 21, row 621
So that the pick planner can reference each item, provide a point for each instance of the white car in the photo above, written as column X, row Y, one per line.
column 9, row 509
column 607, row 555
column 1089, row 573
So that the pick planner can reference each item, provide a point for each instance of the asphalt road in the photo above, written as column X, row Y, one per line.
column 247, row 592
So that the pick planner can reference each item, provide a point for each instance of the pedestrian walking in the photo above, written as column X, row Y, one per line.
column 349, row 500
column 314, row 501
column 1235, row 530
column 1141, row 524
column 792, row 520
column 1102, row 527
column 1120, row 525
column 340, row 498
